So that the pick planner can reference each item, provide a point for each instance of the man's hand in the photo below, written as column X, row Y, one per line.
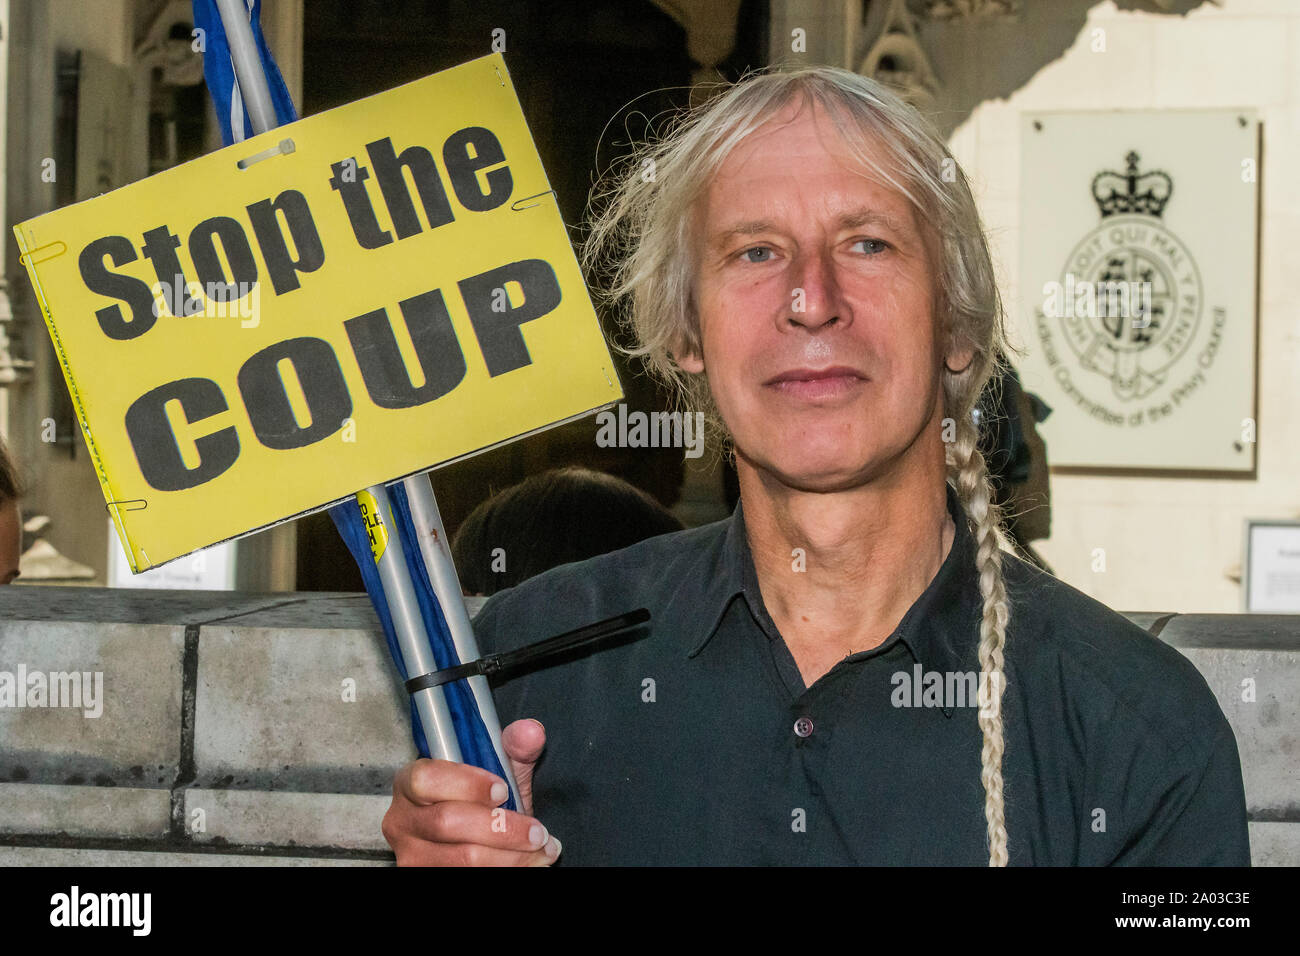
column 449, row 814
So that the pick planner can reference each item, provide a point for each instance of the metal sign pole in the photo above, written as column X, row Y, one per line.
column 417, row 652
column 431, row 537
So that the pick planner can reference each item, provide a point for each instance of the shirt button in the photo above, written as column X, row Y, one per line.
column 803, row 727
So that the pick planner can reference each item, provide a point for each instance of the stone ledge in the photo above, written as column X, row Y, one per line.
column 59, row 856
column 131, row 605
column 1267, row 727
column 84, row 811
column 1275, row 844
column 1263, row 632
column 299, row 709
column 1147, row 619
column 258, row 817
column 136, row 738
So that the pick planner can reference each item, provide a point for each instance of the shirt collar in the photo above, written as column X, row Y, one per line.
column 939, row 628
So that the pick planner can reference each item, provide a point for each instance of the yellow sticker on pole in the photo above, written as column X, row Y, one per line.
column 347, row 300
column 373, row 519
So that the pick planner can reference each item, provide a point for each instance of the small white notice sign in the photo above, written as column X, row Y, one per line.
column 1272, row 581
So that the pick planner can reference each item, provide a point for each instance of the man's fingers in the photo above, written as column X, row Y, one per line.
column 471, row 854
column 450, row 814
column 453, row 822
column 524, row 741
column 424, row 782
column 452, row 833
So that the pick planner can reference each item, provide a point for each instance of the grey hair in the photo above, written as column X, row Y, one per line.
column 639, row 254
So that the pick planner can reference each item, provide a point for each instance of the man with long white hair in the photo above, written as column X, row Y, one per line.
column 850, row 669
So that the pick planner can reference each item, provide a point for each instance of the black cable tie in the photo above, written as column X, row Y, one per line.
column 550, row 647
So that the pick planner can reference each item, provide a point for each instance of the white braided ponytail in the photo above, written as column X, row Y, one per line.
column 976, row 494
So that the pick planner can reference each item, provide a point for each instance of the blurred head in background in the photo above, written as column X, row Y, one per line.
column 554, row 518
column 11, row 523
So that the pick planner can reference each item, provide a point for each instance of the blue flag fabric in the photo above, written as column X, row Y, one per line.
column 475, row 743
column 219, row 72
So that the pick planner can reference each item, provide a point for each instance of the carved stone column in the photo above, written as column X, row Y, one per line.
column 891, row 52
column 710, row 32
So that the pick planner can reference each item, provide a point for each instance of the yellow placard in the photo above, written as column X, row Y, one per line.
column 347, row 300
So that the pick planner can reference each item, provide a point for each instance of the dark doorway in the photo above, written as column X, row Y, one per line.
column 576, row 67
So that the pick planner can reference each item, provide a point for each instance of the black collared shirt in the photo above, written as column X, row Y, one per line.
column 700, row 744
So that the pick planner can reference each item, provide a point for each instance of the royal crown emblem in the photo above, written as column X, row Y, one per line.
column 1129, row 192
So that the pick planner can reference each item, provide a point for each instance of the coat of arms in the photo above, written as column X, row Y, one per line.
column 1130, row 296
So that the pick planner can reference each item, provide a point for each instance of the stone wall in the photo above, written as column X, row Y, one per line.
column 244, row 728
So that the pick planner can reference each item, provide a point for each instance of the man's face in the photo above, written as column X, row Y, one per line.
column 815, row 298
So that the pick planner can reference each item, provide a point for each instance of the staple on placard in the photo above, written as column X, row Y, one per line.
column 518, row 208
column 144, row 503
